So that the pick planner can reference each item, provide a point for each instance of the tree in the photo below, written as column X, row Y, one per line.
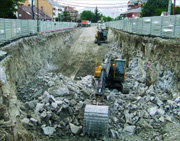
column 59, row 18
column 118, row 18
column 158, row 11
column 177, row 10
column 154, row 7
column 87, row 15
column 97, row 15
column 66, row 16
column 8, row 8
column 94, row 17
column 107, row 19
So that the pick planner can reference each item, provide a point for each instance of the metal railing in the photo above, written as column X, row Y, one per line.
column 14, row 28
column 162, row 26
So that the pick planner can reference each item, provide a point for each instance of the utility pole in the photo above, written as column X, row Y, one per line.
column 169, row 7
column 37, row 15
column 45, row 12
column 174, row 7
column 32, row 9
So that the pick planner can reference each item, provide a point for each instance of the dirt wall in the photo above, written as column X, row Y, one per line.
column 20, row 62
column 72, row 53
column 160, row 54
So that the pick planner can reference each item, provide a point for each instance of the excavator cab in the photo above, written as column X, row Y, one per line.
column 119, row 70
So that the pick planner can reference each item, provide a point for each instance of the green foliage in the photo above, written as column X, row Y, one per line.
column 118, row 18
column 94, row 17
column 156, row 7
column 59, row 18
column 177, row 10
column 8, row 8
column 87, row 15
column 107, row 19
column 97, row 15
column 66, row 16
column 158, row 11
column 153, row 7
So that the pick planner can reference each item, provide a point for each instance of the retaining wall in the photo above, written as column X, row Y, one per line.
column 19, row 63
column 160, row 54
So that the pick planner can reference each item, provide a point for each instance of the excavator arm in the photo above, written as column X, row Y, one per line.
column 96, row 117
column 103, row 76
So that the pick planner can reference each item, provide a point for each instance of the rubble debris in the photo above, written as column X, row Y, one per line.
column 59, row 103
column 25, row 121
column 129, row 129
column 2, row 75
column 48, row 130
column 153, row 110
column 75, row 129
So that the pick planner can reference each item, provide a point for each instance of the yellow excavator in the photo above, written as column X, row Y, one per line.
column 101, row 35
column 111, row 73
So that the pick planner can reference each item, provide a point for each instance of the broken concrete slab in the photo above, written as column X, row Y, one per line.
column 48, row 130
column 75, row 129
column 129, row 129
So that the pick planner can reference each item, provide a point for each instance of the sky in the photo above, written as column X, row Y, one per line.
column 112, row 8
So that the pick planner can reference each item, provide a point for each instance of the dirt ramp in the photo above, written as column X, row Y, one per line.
column 83, row 54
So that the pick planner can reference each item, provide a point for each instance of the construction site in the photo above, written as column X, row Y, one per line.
column 47, row 82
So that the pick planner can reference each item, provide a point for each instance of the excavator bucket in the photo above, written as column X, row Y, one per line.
column 96, row 120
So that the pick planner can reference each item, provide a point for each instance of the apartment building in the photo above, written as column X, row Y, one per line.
column 48, row 7
column 73, row 13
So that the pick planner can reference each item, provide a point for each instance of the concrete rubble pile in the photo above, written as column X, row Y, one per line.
column 56, row 104
column 145, row 110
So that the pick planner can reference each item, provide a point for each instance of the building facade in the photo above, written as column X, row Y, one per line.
column 25, row 12
column 48, row 7
column 73, row 13
column 133, row 13
column 133, row 4
column 134, row 9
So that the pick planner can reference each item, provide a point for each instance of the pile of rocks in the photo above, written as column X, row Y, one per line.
column 145, row 110
column 56, row 103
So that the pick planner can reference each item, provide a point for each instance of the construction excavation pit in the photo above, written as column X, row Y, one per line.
column 49, row 91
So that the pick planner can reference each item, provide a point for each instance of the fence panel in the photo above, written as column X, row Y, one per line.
column 156, row 26
column 14, row 28
column 8, row 27
column 2, row 30
column 168, row 26
column 165, row 26
column 147, row 25
column 25, row 27
column 177, row 26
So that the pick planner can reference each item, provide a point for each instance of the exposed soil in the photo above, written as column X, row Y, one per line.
column 55, row 98
column 82, row 56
